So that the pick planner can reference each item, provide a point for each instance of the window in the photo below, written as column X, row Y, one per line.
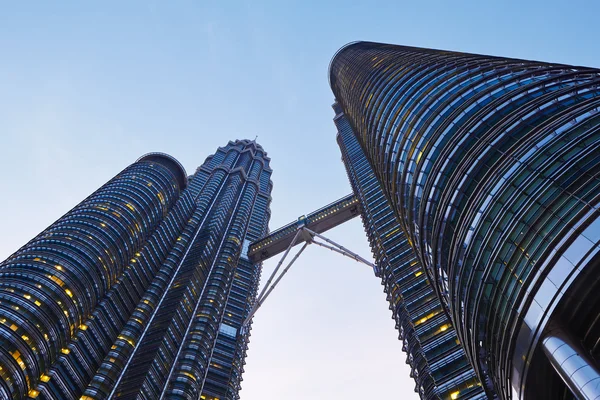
column 228, row 330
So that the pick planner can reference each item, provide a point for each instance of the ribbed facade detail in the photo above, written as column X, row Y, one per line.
column 140, row 290
column 491, row 166
column 438, row 363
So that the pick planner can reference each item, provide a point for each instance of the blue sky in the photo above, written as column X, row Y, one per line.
column 86, row 88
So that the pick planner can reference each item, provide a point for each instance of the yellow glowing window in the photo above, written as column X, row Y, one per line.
column 444, row 327
column 392, row 232
column 454, row 395
column 27, row 296
column 57, row 280
column 65, row 351
column 37, row 303
column 24, row 337
column 33, row 393
column 192, row 377
column 83, row 327
column 68, row 292
column 419, row 273
column 58, row 267
column 419, row 156
column 44, row 378
column 14, row 327
column 131, row 342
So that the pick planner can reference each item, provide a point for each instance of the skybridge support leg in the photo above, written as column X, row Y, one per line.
column 261, row 300
column 292, row 243
column 348, row 254
column 343, row 251
column 308, row 236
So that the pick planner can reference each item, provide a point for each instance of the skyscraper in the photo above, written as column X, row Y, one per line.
column 491, row 166
column 438, row 363
column 141, row 289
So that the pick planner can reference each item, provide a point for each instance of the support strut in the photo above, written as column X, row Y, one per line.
column 309, row 237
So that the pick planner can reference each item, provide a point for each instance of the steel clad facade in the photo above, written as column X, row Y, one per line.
column 438, row 363
column 491, row 167
column 140, row 290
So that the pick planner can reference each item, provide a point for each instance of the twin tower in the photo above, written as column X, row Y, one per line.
column 478, row 182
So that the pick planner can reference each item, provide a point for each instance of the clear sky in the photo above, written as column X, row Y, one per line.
column 88, row 87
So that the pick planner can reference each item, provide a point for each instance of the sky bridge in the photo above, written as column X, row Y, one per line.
column 318, row 221
column 305, row 230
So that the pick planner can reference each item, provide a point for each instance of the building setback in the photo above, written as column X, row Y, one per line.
column 491, row 166
column 141, row 289
column 438, row 363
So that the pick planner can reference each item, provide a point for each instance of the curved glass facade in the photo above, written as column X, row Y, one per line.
column 491, row 167
column 438, row 363
column 141, row 289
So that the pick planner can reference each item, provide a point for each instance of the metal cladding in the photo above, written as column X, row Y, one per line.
column 438, row 363
column 491, row 166
column 141, row 289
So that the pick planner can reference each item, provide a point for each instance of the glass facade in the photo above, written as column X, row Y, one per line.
column 140, row 290
column 438, row 363
column 491, row 166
